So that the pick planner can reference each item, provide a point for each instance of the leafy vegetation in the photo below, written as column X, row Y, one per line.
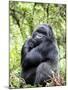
column 24, row 17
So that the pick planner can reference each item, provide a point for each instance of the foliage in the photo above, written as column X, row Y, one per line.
column 23, row 18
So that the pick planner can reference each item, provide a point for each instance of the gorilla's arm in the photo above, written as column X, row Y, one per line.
column 40, row 54
column 35, row 56
column 27, row 47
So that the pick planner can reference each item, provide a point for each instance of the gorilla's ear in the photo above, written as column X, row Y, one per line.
column 51, row 34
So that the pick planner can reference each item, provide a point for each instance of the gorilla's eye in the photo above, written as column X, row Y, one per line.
column 42, row 32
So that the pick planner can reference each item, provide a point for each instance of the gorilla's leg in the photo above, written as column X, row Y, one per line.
column 44, row 72
column 29, row 76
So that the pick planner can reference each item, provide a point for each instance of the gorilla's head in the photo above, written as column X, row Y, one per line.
column 43, row 32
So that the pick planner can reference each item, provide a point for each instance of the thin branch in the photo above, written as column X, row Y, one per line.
column 13, row 13
column 47, row 12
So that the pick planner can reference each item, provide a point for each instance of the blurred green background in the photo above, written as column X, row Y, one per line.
column 24, row 17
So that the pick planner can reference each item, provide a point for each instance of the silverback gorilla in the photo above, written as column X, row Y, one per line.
column 39, row 56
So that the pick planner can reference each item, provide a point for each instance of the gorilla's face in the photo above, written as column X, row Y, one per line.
column 42, row 33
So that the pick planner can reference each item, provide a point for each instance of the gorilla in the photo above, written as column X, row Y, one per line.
column 39, row 56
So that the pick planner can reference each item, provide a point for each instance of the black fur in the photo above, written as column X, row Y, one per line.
column 39, row 56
